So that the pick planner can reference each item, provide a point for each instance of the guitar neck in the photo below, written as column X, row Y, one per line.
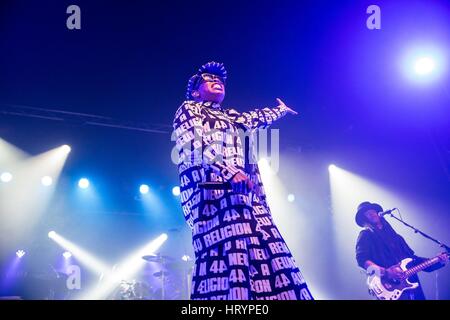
column 422, row 266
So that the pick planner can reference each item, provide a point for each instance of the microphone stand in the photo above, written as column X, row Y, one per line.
column 423, row 234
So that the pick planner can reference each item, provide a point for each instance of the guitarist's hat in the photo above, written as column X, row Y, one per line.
column 360, row 218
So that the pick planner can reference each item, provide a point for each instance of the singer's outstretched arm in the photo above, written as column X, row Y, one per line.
column 260, row 118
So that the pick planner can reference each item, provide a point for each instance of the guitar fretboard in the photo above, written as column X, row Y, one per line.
column 421, row 266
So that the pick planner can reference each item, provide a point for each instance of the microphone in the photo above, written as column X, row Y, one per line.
column 215, row 185
column 380, row 214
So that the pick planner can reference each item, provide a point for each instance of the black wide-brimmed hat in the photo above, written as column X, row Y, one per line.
column 360, row 218
column 212, row 67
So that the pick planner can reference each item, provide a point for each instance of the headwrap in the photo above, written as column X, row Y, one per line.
column 212, row 67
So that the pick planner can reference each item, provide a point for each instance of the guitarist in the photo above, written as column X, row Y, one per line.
column 379, row 246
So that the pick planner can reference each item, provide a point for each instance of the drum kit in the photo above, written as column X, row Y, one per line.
column 133, row 290
column 170, row 282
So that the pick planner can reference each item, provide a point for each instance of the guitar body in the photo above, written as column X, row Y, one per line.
column 388, row 289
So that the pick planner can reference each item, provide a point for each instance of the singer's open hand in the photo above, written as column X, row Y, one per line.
column 281, row 103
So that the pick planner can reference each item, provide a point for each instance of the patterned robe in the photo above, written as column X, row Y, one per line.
column 239, row 252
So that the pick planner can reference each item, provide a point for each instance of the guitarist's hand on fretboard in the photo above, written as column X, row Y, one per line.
column 443, row 257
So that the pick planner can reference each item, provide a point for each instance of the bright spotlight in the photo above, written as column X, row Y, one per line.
column 6, row 177
column 291, row 197
column 125, row 270
column 46, row 181
column 20, row 253
column 424, row 65
column 66, row 149
column 186, row 258
column 51, row 234
column 176, row 191
column 29, row 195
column 331, row 167
column 83, row 183
column 82, row 255
column 144, row 189
column 263, row 162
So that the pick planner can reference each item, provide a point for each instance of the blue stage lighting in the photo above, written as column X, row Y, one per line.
column 176, row 191
column 144, row 189
column 83, row 183
column 424, row 65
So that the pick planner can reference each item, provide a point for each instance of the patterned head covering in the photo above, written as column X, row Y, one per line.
column 212, row 67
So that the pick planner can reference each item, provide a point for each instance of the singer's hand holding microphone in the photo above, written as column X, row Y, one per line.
column 240, row 183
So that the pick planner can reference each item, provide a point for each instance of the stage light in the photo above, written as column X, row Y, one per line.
column 186, row 258
column 20, row 253
column 125, row 270
column 66, row 149
column 10, row 155
column 176, row 191
column 82, row 255
column 331, row 167
column 46, row 181
column 29, row 195
column 144, row 189
column 6, row 177
column 291, row 197
column 275, row 191
column 151, row 201
column 83, row 183
column 424, row 65
column 264, row 162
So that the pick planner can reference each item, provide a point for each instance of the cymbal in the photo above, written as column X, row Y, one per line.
column 157, row 258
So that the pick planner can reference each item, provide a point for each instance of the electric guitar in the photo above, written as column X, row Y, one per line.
column 385, row 288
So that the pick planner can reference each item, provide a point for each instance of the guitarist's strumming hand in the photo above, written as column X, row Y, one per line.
column 395, row 273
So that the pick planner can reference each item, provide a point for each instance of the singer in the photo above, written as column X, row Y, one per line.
column 379, row 246
column 239, row 252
